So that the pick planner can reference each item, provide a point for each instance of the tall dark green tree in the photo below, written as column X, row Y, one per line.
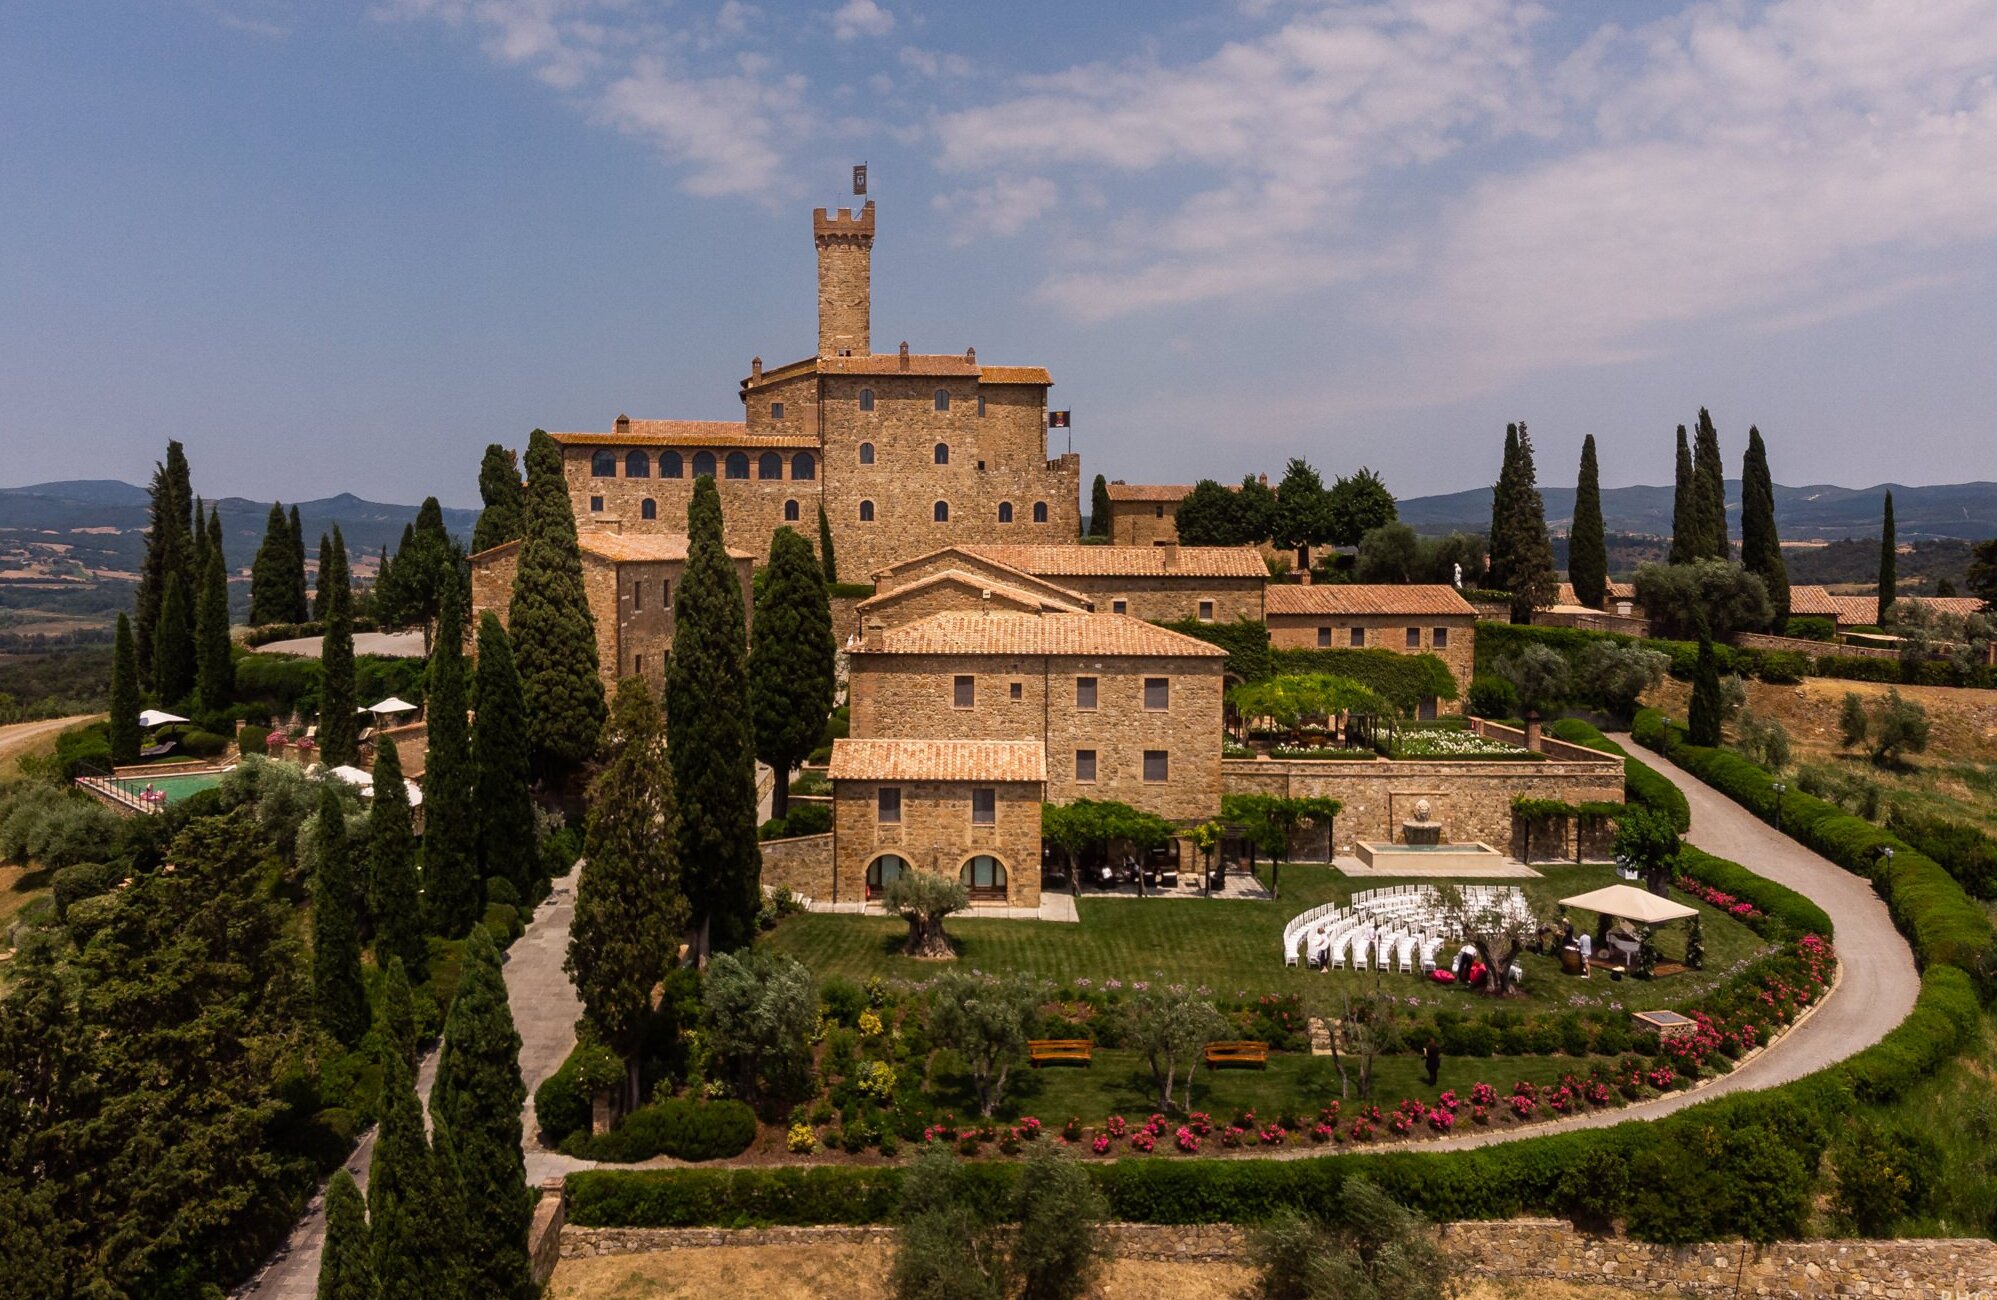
column 792, row 661
column 1502, row 494
column 504, row 518
column 322, row 584
column 828, row 561
column 554, row 636
column 1359, row 503
column 1099, row 508
column 395, row 1021
column 1704, row 717
column 339, row 692
column 1210, row 515
column 1889, row 565
column 1255, row 510
column 393, row 898
column 475, row 1105
column 271, row 597
column 174, row 662
column 500, row 764
column 1709, row 489
column 409, row 1217
column 450, row 783
column 215, row 671
column 427, row 565
column 337, row 990
column 301, row 595
column 346, row 1262
column 1303, row 511
column 169, row 551
column 1587, row 543
column 629, row 905
column 708, row 734
column 1760, row 546
column 124, row 695
column 1687, row 524
column 1524, row 567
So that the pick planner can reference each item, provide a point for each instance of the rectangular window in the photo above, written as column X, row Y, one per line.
column 887, row 805
column 596, row 505
column 637, row 596
column 1016, row 691
column 1119, row 607
column 1085, row 765
column 966, row 692
column 1085, row 692
column 1206, row 611
column 1157, row 693
column 1414, row 638
column 1324, row 638
column 1358, row 636
column 637, row 664
column 1440, row 638
column 984, row 806
column 1157, row 767
column 1158, row 512
column 665, row 593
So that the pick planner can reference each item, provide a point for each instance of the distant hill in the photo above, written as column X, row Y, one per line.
column 1820, row 512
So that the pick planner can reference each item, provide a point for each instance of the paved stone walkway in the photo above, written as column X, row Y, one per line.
column 545, row 1008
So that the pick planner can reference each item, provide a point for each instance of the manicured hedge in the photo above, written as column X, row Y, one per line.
column 1246, row 641
column 1946, row 1018
column 1405, row 679
column 1941, row 921
column 679, row 1127
column 1641, row 782
column 1968, row 854
column 1793, row 910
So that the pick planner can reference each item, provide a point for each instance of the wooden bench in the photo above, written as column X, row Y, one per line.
column 1238, row 1053
column 1043, row 1050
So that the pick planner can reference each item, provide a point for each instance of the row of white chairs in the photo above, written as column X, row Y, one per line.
column 1399, row 927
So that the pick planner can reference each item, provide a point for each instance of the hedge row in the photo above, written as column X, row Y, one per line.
column 1641, row 783
column 1405, row 679
column 1968, row 853
column 1941, row 921
column 1792, row 909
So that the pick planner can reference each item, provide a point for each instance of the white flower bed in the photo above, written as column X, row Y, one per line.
column 1452, row 744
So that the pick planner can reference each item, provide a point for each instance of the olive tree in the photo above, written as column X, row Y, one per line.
column 761, row 1011
column 985, row 1018
column 1172, row 1029
column 923, row 899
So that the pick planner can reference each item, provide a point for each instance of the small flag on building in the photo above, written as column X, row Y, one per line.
column 860, row 179
column 1057, row 419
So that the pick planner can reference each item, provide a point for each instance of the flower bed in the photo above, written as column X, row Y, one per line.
column 1456, row 745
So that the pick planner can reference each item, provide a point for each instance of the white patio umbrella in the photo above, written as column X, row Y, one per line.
column 158, row 718
column 393, row 704
column 1631, row 904
column 365, row 780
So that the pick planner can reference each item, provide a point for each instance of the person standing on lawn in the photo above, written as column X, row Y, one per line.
column 1432, row 1058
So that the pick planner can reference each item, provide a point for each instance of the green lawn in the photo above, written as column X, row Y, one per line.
column 1230, row 947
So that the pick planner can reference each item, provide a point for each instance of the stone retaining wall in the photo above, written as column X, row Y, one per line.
column 803, row 862
column 1762, row 641
column 1518, row 1248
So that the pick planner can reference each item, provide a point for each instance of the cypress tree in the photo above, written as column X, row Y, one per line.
column 629, row 908
column 1587, row 543
column 408, row 1220
column 554, row 637
column 792, row 661
column 393, row 899
column 169, row 551
column 1760, row 547
column 346, row 1263
column 1521, row 550
column 1709, row 485
column 1702, row 721
column 301, row 607
column 1504, row 494
column 504, row 518
column 396, row 1024
column 124, row 695
column 337, row 990
column 475, row 1105
column 708, row 734
column 450, row 818
column 323, row 583
column 174, row 665
column 215, row 671
column 270, row 572
column 1686, row 522
column 1099, row 508
column 339, row 693
column 499, row 762
column 1889, row 566
column 830, row 564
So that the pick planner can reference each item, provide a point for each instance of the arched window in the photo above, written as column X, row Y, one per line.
column 790, row 512
column 637, row 465
column 882, row 871
column 670, row 465
column 603, row 464
column 983, row 872
column 769, row 465
column 866, row 453
column 648, row 509
column 703, row 464
column 1005, row 512
column 804, row 465
column 866, row 399
column 737, row 465
column 942, row 399
column 942, row 512
column 942, row 453
column 866, row 512
column 1039, row 512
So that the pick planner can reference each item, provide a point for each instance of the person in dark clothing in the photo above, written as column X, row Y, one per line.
column 1432, row 1058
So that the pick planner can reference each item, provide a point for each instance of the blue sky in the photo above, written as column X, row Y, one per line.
column 342, row 246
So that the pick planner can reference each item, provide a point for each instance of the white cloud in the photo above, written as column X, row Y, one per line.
column 857, row 18
column 934, row 63
column 734, row 17
column 1002, row 208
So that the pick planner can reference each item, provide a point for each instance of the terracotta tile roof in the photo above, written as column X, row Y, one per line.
column 887, row 577
column 1165, row 492
column 1128, row 561
column 1038, row 599
column 1043, row 634
column 686, row 433
column 1616, row 591
column 1036, row 375
column 640, row 548
column 1424, row 599
column 938, row 760
column 1812, row 601
column 1860, row 611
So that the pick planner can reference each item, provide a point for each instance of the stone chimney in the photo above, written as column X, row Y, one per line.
column 623, row 426
column 755, row 368
column 971, row 355
column 875, row 636
column 1171, row 550
column 1532, row 730
column 904, row 354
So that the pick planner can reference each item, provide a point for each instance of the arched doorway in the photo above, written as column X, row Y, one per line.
column 984, row 876
column 882, row 871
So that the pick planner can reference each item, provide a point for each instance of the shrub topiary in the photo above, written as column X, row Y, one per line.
column 563, row 1102
column 1492, row 696
column 679, row 1127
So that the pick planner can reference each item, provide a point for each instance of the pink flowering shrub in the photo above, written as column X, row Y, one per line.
column 1189, row 1141
column 1273, row 1135
column 1115, row 1127
column 1101, row 1144
column 1142, row 1140
column 1231, row 1135
column 1483, row 1094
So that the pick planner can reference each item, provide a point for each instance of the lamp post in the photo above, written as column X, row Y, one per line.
column 1780, row 790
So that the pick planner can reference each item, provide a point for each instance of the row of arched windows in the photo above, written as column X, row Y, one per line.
column 735, row 465
column 981, row 871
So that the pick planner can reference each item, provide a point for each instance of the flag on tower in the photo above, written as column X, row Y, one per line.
column 860, row 178
column 1057, row 419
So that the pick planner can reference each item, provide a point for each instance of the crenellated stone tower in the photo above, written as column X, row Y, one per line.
column 845, row 275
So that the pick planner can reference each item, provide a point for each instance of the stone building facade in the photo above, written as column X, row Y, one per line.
column 630, row 582
column 1429, row 618
column 965, row 809
column 1144, row 514
column 905, row 452
column 1157, row 583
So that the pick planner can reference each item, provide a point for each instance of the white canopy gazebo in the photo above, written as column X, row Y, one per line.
column 151, row 718
column 394, row 704
column 1631, row 904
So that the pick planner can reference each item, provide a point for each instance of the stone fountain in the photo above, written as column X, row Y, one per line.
column 1420, row 829
column 1422, row 851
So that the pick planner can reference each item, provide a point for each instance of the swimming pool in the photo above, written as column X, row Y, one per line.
column 154, row 790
